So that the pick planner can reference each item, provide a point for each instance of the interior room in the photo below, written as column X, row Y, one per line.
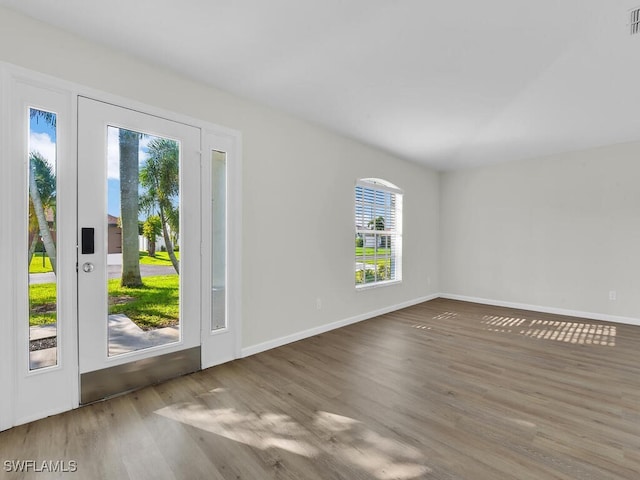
column 484, row 157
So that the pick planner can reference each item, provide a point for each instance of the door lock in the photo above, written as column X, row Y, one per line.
column 88, row 246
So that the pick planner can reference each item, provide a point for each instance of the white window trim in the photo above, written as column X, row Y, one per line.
column 379, row 184
column 384, row 186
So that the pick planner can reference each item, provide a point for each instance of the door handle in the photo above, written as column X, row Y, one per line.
column 87, row 267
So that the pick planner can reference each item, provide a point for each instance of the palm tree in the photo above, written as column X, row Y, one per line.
column 378, row 224
column 45, row 184
column 42, row 193
column 151, row 229
column 160, row 176
column 129, row 143
column 34, row 231
column 49, row 117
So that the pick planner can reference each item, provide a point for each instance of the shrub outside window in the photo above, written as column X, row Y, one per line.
column 378, row 232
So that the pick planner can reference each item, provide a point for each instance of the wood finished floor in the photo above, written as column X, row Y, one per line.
column 442, row 390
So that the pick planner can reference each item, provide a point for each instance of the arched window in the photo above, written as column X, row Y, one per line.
column 378, row 235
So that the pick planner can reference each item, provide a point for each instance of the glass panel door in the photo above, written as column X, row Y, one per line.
column 139, row 248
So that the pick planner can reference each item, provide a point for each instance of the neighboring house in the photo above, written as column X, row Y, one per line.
column 143, row 243
column 114, row 238
column 114, row 232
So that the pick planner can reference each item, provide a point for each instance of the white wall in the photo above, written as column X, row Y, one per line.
column 299, row 231
column 298, row 185
column 556, row 232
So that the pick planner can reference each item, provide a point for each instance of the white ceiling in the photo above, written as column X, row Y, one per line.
column 447, row 83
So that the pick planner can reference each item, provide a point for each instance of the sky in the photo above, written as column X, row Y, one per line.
column 113, row 167
column 43, row 138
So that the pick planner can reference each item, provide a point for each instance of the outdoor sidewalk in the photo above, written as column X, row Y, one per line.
column 124, row 336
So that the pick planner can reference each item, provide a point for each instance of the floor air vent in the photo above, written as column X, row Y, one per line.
column 634, row 21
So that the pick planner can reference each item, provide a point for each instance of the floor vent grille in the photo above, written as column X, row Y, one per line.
column 634, row 21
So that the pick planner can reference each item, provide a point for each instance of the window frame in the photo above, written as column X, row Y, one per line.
column 393, row 216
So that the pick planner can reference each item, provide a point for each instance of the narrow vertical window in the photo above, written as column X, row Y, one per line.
column 378, row 232
column 218, row 239
column 41, row 246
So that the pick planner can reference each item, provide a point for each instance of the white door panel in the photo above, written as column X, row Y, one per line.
column 96, row 151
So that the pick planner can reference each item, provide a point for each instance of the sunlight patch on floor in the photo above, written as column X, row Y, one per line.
column 502, row 324
column 522, row 423
column 572, row 332
column 370, row 451
column 346, row 439
column 421, row 326
column 260, row 431
column 445, row 316
column 556, row 330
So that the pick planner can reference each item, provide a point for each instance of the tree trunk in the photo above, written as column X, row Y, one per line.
column 32, row 247
column 45, row 233
column 129, row 144
column 152, row 248
column 169, row 243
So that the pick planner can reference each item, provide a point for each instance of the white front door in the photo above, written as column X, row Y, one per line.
column 139, row 182
column 69, row 325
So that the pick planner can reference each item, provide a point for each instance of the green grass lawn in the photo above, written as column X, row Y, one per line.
column 383, row 259
column 161, row 258
column 36, row 264
column 372, row 251
column 383, row 263
column 42, row 299
column 152, row 306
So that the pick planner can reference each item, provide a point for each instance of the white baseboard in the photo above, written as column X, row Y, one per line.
column 294, row 337
column 538, row 308
column 278, row 342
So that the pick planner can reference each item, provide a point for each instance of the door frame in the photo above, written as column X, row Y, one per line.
column 6, row 294
column 12, row 412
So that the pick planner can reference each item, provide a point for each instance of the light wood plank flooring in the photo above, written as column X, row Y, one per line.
column 442, row 390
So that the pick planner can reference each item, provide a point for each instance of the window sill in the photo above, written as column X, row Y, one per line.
column 369, row 286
